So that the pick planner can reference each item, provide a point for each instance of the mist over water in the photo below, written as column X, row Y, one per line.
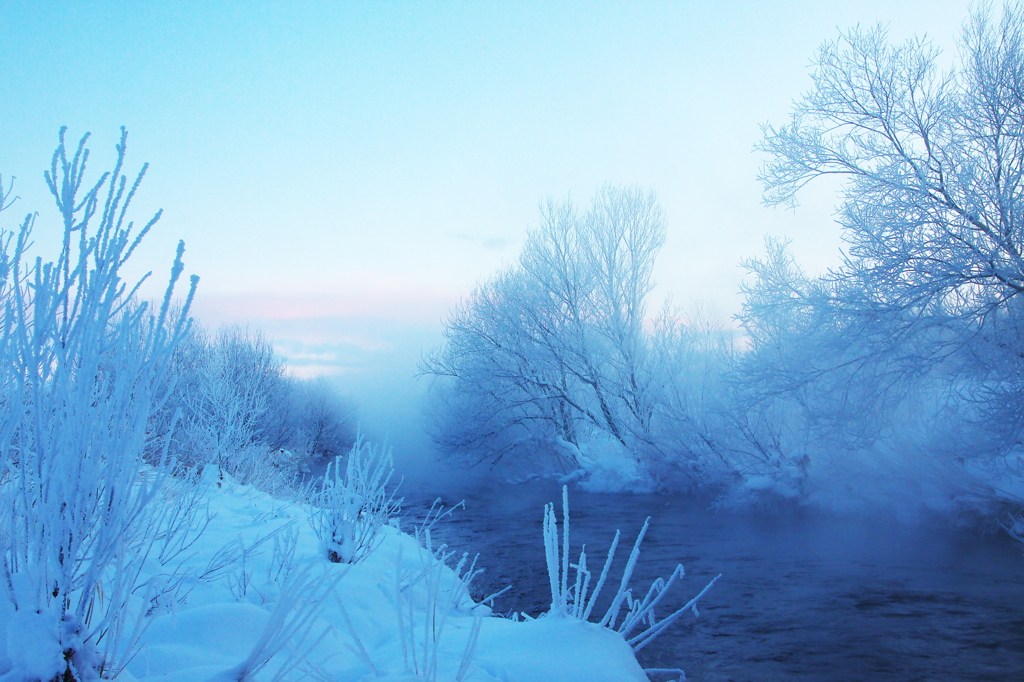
column 803, row 595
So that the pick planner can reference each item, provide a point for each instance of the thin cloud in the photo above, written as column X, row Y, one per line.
column 489, row 242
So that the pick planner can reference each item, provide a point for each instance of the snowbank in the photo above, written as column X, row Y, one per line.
column 397, row 612
column 605, row 466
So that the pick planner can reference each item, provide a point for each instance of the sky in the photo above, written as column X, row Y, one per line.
column 343, row 173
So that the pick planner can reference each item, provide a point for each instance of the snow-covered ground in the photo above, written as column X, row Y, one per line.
column 261, row 602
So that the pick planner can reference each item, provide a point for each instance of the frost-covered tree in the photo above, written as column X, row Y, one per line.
column 932, row 161
column 918, row 329
column 320, row 421
column 842, row 363
column 694, row 425
column 551, row 352
column 238, row 378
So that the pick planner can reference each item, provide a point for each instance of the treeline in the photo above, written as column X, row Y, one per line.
column 897, row 374
column 230, row 402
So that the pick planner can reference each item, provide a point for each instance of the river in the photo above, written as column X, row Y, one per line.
column 803, row 596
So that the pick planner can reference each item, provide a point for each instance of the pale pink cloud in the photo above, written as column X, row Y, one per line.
column 419, row 306
column 337, row 335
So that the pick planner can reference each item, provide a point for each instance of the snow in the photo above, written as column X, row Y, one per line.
column 606, row 466
column 551, row 648
column 32, row 649
column 215, row 630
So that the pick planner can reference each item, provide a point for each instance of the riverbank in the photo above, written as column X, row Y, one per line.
column 256, row 600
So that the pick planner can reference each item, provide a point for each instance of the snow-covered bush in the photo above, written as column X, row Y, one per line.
column 349, row 510
column 81, row 360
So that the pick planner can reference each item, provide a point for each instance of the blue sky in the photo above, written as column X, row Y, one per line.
column 343, row 172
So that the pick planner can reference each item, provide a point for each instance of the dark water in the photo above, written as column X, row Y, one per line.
column 802, row 596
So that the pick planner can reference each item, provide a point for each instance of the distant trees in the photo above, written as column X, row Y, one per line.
column 551, row 355
column 322, row 421
column 238, row 376
column 235, row 403
column 912, row 345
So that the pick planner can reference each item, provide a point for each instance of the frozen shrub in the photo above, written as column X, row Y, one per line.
column 81, row 363
column 349, row 510
column 446, row 591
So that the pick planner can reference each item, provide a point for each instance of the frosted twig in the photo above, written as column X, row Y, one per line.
column 637, row 611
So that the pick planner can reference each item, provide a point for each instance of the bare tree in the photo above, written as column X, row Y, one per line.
column 933, row 162
column 924, row 309
column 552, row 348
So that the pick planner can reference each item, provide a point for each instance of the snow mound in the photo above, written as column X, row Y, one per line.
column 605, row 467
column 398, row 615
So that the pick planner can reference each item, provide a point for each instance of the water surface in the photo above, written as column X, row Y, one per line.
column 803, row 596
